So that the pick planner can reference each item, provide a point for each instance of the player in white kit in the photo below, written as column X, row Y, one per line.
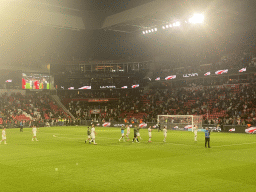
column 128, row 132
column 195, row 132
column 34, row 130
column 93, row 133
column 165, row 133
column 149, row 134
column 3, row 136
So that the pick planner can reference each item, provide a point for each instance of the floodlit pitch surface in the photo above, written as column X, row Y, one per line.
column 66, row 163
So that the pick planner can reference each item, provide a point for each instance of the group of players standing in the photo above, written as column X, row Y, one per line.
column 34, row 131
column 91, row 134
column 136, row 135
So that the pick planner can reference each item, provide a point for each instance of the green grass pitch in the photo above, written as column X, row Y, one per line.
column 66, row 163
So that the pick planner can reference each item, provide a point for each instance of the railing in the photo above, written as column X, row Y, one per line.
column 57, row 99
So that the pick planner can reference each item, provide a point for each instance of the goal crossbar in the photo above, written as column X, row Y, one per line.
column 186, row 122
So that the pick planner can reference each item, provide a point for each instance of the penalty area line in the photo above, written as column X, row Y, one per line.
column 236, row 144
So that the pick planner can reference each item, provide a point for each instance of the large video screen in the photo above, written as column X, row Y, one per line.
column 36, row 81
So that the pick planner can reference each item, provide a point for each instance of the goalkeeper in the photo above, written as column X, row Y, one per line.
column 207, row 137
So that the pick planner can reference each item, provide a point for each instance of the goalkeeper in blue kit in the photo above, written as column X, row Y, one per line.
column 207, row 137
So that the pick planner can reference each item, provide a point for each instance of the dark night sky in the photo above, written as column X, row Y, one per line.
column 230, row 24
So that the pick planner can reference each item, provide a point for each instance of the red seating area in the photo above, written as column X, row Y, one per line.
column 15, row 104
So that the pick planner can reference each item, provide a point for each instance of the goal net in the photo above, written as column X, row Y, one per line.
column 180, row 122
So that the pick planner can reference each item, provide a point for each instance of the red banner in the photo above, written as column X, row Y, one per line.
column 98, row 100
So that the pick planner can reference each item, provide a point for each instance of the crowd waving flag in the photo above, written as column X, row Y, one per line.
column 157, row 79
column 242, row 70
column 8, row 81
column 106, row 124
column 86, row 87
column 124, row 87
column 219, row 72
column 135, row 86
column 143, row 125
column 208, row 73
column 71, row 88
column 170, row 77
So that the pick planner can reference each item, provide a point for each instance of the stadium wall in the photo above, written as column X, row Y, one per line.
column 236, row 128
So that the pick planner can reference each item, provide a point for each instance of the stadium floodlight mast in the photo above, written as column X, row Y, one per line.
column 197, row 18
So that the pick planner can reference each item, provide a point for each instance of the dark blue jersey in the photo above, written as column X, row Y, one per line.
column 207, row 134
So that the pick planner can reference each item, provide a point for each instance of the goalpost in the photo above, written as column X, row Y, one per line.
column 180, row 122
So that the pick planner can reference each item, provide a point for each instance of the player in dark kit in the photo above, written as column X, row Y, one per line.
column 21, row 126
column 159, row 127
column 122, row 133
column 207, row 137
column 88, row 135
column 135, row 134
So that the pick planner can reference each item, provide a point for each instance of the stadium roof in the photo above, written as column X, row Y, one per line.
column 112, row 29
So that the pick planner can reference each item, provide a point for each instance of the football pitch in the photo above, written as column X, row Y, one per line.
column 67, row 163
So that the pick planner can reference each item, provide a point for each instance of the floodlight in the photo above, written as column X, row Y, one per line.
column 176, row 24
column 163, row 27
column 167, row 26
column 143, row 32
column 152, row 30
column 170, row 25
column 149, row 31
column 197, row 18
column 146, row 31
column 155, row 29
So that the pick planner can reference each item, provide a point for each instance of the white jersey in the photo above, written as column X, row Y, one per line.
column 93, row 132
column 3, row 134
column 128, row 129
column 165, row 131
column 34, row 131
column 149, row 132
column 195, row 131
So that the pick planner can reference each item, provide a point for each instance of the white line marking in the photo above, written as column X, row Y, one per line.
column 235, row 144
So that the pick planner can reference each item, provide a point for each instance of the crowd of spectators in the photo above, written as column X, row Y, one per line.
column 218, row 104
column 221, row 103
column 229, row 61
column 36, row 107
column 124, row 101
column 110, row 93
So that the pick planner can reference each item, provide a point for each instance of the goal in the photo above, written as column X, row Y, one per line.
column 180, row 122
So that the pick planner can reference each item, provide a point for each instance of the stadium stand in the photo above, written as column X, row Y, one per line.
column 222, row 102
column 17, row 107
